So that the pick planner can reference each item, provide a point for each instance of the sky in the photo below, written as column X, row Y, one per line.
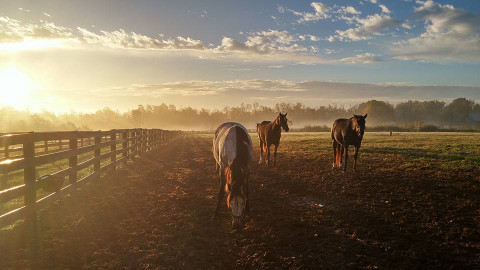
column 67, row 56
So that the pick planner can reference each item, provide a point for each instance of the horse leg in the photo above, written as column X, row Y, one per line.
column 275, row 155
column 261, row 152
column 346, row 156
column 334, row 145
column 355, row 156
column 340, row 151
column 268, row 155
column 221, row 191
column 247, row 205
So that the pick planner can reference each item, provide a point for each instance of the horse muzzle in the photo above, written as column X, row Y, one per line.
column 237, row 222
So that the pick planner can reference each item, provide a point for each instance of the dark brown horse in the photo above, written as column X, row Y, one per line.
column 269, row 133
column 347, row 132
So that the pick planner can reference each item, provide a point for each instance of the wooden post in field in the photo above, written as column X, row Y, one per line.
column 29, row 177
column 46, row 146
column 96, row 154
column 72, row 161
column 113, row 148
column 60, row 144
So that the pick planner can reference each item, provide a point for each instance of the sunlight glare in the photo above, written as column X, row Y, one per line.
column 15, row 88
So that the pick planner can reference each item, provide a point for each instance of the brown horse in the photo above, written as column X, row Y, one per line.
column 347, row 132
column 269, row 133
column 232, row 150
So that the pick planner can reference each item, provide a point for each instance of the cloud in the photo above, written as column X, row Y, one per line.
column 366, row 58
column 321, row 13
column 372, row 25
column 308, row 37
column 373, row 1
column 46, row 14
column 451, row 35
column 265, row 42
column 273, row 46
column 13, row 31
column 124, row 40
column 348, row 10
column 385, row 9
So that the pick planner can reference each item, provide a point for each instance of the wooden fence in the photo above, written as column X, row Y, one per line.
column 99, row 151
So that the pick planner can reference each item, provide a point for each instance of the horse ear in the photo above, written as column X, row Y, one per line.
column 286, row 114
column 365, row 116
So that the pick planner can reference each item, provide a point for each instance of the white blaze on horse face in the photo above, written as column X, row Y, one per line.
column 237, row 206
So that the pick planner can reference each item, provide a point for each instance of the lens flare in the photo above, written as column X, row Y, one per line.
column 15, row 88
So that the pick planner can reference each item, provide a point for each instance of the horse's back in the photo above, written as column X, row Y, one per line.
column 338, row 129
column 225, row 142
column 262, row 128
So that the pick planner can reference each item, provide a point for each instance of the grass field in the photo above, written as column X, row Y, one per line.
column 414, row 203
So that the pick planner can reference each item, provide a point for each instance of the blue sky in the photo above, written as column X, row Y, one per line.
column 212, row 53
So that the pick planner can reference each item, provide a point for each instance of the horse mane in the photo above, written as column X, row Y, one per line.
column 235, row 172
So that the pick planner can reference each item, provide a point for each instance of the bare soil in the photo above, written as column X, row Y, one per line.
column 155, row 214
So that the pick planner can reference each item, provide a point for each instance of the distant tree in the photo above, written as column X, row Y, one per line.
column 378, row 111
column 456, row 113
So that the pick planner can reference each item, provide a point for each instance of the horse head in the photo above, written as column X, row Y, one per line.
column 283, row 121
column 359, row 124
column 236, row 176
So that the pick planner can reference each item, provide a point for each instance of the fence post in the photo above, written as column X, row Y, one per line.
column 96, row 154
column 135, row 143
column 113, row 148
column 60, row 144
column 124, row 147
column 142, row 141
column 149, row 140
column 46, row 146
column 3, row 182
column 29, row 177
column 72, row 161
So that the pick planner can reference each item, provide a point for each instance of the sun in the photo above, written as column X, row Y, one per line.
column 15, row 88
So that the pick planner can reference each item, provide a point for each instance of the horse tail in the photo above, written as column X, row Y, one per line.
column 333, row 130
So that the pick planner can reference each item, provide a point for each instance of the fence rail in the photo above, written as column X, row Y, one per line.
column 102, row 150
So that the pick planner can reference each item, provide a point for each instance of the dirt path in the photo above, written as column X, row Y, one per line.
column 155, row 214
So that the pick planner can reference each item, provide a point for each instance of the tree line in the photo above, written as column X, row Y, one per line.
column 460, row 113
